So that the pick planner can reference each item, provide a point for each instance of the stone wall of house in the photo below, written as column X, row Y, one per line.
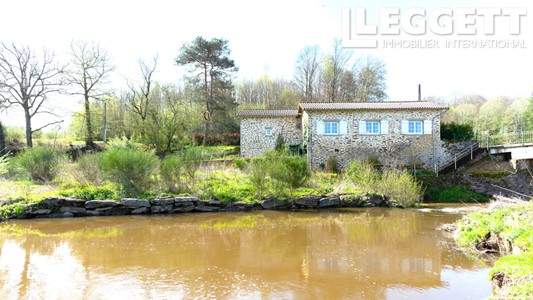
column 393, row 148
column 254, row 140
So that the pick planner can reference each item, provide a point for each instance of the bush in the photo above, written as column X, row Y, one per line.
column 297, row 170
column 258, row 169
column 2, row 139
column 91, row 193
column 399, row 186
column 239, row 163
column 364, row 176
column 456, row 132
column 171, row 171
column 40, row 163
column 332, row 165
column 131, row 168
column 191, row 160
column 88, row 169
column 15, row 135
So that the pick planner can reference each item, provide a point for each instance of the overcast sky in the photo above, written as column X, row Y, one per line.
column 265, row 38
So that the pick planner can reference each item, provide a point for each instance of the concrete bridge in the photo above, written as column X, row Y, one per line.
column 514, row 147
column 514, row 152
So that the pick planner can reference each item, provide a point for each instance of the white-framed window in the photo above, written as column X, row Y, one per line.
column 415, row 127
column 268, row 131
column 331, row 127
column 372, row 127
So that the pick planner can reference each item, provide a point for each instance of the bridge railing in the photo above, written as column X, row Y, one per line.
column 513, row 138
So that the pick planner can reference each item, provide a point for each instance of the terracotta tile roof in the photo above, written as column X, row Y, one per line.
column 372, row 106
column 268, row 113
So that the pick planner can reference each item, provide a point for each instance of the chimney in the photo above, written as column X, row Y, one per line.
column 419, row 92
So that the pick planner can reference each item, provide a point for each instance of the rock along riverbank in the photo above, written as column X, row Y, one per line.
column 62, row 207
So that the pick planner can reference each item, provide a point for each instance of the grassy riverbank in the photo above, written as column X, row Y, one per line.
column 506, row 231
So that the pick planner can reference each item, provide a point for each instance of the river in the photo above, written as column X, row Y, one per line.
column 335, row 254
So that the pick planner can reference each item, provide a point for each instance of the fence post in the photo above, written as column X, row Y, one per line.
column 471, row 152
column 455, row 160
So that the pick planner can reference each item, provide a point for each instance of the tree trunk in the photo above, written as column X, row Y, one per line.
column 206, row 132
column 29, row 142
column 207, row 117
column 89, row 143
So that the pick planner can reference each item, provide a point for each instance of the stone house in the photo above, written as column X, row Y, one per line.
column 260, row 129
column 396, row 133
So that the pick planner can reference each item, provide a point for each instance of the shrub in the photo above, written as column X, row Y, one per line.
column 258, row 169
column 332, row 165
column 41, row 163
column 88, row 169
column 192, row 159
column 171, row 170
column 364, row 176
column 297, row 170
column 129, row 167
column 399, row 186
column 91, row 193
column 239, row 163
column 456, row 132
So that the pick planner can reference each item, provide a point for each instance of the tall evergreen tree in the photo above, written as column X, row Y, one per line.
column 211, row 72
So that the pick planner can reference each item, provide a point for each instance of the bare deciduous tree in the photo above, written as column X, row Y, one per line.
column 371, row 84
column 335, row 65
column 26, row 80
column 90, row 66
column 307, row 71
column 141, row 97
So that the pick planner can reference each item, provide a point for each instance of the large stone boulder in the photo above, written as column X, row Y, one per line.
column 181, row 199
column 100, row 203
column 160, row 209
column 74, row 210
column 135, row 203
column 328, row 202
column 40, row 212
column 163, row 201
column 307, row 202
column 143, row 210
column 349, row 200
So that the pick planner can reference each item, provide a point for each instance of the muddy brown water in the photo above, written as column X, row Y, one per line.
column 335, row 254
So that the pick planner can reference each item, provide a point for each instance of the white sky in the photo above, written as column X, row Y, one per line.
column 265, row 38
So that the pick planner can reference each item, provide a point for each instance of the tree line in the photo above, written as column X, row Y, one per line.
column 165, row 116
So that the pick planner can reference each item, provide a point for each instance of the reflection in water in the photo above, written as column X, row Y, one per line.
column 350, row 253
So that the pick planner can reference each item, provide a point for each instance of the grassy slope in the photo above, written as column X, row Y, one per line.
column 514, row 223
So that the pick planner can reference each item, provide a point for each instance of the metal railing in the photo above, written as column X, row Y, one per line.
column 457, row 157
column 512, row 138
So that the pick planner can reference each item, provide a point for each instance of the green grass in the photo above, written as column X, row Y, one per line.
column 454, row 194
column 514, row 223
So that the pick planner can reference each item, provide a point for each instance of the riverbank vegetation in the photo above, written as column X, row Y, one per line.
column 128, row 169
column 507, row 231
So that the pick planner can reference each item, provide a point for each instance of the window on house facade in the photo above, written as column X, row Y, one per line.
column 268, row 131
column 331, row 127
column 372, row 127
column 415, row 127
